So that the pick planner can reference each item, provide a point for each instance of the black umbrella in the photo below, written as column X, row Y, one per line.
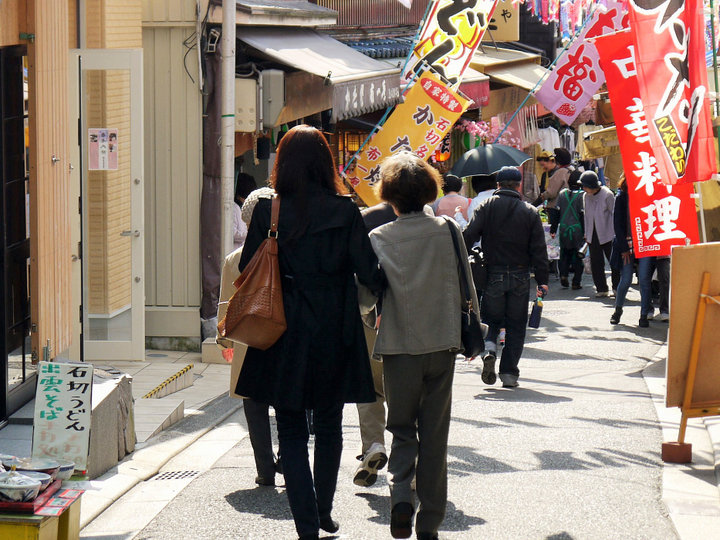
column 487, row 159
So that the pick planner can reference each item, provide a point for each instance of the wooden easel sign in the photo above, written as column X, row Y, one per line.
column 693, row 365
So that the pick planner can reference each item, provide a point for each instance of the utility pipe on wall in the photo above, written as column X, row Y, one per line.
column 227, row 127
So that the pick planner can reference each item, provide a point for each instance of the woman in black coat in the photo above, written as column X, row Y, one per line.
column 320, row 362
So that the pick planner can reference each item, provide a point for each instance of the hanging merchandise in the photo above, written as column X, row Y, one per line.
column 671, row 72
column 661, row 215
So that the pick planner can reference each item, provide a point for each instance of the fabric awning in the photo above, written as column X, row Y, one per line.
column 476, row 86
column 509, row 66
column 360, row 84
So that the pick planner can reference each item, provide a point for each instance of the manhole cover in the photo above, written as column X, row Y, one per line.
column 176, row 475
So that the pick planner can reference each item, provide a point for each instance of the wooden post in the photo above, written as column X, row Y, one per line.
column 680, row 451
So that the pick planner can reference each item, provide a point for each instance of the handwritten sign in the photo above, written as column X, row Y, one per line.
column 63, row 403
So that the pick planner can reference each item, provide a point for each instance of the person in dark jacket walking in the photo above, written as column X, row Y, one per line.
column 570, row 228
column 321, row 361
column 513, row 242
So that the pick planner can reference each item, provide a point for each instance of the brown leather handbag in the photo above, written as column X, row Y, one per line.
column 255, row 314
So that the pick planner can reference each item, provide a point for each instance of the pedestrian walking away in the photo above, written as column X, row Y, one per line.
column 256, row 414
column 598, row 205
column 570, row 229
column 418, row 338
column 513, row 242
column 321, row 361
column 371, row 416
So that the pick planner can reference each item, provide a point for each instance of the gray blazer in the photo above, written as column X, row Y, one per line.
column 421, row 308
column 598, row 210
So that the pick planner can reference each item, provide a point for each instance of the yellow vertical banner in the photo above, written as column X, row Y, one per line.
column 418, row 125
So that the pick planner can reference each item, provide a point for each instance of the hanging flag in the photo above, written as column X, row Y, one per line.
column 577, row 74
column 449, row 37
column 670, row 58
column 661, row 215
column 406, row 3
column 418, row 125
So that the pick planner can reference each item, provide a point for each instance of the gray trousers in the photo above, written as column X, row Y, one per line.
column 372, row 415
column 418, row 389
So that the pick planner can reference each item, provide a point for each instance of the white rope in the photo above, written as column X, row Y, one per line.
column 711, row 298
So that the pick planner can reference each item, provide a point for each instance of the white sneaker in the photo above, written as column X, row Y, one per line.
column 665, row 317
column 373, row 460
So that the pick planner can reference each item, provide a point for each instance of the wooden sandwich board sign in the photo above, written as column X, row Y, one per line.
column 693, row 366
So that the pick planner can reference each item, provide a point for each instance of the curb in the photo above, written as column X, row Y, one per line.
column 148, row 460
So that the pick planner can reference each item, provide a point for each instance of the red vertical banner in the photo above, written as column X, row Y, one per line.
column 661, row 215
column 670, row 57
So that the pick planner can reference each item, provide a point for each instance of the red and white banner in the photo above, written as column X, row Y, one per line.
column 577, row 74
column 670, row 55
column 661, row 215
column 449, row 37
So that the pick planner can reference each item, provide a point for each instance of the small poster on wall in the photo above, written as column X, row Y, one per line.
column 63, row 403
column 102, row 149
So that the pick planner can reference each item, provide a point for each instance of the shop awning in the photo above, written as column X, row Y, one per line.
column 359, row 84
column 476, row 86
column 507, row 66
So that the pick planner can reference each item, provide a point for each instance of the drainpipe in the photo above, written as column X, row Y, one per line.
column 227, row 127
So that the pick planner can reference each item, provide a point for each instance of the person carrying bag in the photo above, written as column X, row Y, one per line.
column 255, row 314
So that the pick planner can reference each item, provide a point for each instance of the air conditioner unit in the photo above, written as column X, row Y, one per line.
column 273, row 95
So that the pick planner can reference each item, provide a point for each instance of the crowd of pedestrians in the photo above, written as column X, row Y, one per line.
column 373, row 302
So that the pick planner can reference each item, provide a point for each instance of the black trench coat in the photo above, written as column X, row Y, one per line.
column 322, row 358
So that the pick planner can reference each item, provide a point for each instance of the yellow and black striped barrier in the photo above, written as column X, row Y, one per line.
column 167, row 381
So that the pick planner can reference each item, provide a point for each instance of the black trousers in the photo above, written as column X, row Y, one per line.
column 570, row 262
column 310, row 494
column 258, row 421
column 598, row 253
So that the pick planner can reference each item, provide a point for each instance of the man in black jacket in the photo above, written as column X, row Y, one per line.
column 513, row 242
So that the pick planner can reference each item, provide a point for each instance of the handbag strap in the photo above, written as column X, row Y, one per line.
column 463, row 276
column 274, row 218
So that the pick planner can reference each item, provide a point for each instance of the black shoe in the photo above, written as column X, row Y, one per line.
column 564, row 283
column 643, row 322
column 427, row 536
column 488, row 374
column 315, row 536
column 401, row 520
column 328, row 524
column 265, row 480
column 615, row 318
column 576, row 286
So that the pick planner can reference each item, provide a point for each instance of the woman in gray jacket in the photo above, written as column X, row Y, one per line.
column 418, row 339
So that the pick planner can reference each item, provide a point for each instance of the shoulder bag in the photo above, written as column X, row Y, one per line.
column 472, row 331
column 255, row 314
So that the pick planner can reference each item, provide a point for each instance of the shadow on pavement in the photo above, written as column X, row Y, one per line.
column 380, row 504
column 520, row 395
column 559, row 536
column 469, row 461
column 617, row 423
column 457, row 520
column 266, row 502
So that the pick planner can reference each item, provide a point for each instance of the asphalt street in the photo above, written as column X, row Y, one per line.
column 574, row 453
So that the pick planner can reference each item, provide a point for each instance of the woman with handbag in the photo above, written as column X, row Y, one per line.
column 320, row 362
column 418, row 338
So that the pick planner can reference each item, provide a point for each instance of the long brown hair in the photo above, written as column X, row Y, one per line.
column 304, row 161
column 304, row 158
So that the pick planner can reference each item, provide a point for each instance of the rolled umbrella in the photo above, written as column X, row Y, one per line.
column 487, row 159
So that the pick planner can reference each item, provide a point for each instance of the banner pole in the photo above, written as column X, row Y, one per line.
column 549, row 69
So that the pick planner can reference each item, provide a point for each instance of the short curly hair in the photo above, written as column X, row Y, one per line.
column 407, row 182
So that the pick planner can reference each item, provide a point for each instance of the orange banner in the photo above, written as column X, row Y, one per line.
column 418, row 125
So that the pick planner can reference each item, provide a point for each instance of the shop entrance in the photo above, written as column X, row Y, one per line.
column 106, row 99
column 17, row 372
